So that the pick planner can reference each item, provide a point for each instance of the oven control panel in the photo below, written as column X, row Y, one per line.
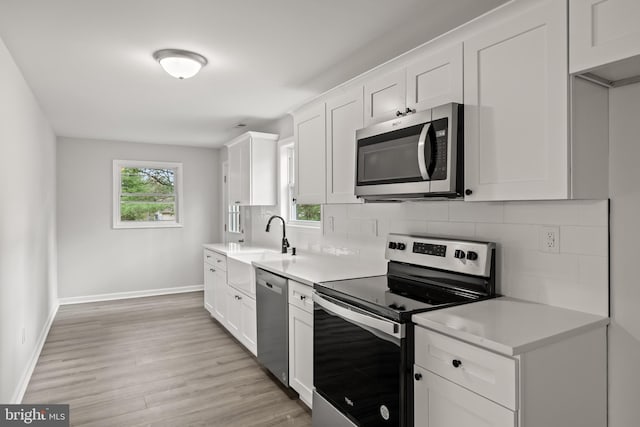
column 470, row 257
column 429, row 249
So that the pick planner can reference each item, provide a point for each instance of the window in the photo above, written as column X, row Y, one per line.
column 309, row 215
column 147, row 194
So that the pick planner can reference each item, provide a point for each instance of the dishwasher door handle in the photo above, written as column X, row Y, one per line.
column 354, row 315
column 270, row 287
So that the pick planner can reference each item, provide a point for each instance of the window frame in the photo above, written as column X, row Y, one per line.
column 117, row 188
column 287, row 187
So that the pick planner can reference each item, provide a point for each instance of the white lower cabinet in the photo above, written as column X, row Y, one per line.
column 248, row 324
column 215, row 284
column 301, row 340
column 209, row 279
column 241, row 318
column 219, row 295
column 560, row 384
column 445, row 404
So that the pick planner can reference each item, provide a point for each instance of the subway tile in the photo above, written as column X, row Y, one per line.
column 335, row 211
column 460, row 211
column 509, row 235
column 355, row 210
column 408, row 227
column 593, row 278
column 563, row 212
column 427, row 210
column 452, row 229
column 383, row 210
column 584, row 240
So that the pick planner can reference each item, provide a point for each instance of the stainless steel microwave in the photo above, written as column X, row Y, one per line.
column 415, row 156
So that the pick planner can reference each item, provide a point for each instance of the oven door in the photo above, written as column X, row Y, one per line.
column 358, row 364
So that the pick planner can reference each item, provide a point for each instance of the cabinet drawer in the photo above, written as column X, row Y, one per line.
column 300, row 296
column 215, row 259
column 474, row 368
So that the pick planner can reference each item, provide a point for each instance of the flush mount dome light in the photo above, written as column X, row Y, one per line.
column 180, row 64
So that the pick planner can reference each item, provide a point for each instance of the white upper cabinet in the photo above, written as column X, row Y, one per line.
column 384, row 97
column 602, row 31
column 344, row 117
column 310, row 169
column 516, row 107
column 435, row 79
column 252, row 169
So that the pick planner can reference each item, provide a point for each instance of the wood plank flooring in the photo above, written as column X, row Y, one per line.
column 156, row 361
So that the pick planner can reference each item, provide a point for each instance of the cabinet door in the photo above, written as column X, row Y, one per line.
column 248, row 326
column 344, row 117
column 233, row 312
column 384, row 97
column 441, row 403
column 436, row 79
column 209, row 280
column 220, row 295
column 516, row 110
column 239, row 172
column 309, row 134
column 301, row 353
column 602, row 31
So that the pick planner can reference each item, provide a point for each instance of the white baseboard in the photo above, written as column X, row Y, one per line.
column 132, row 294
column 33, row 360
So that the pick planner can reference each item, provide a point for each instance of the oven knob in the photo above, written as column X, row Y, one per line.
column 393, row 245
column 459, row 254
column 402, row 246
column 472, row 256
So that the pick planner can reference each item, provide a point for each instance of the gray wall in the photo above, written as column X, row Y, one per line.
column 94, row 258
column 27, row 226
column 624, row 333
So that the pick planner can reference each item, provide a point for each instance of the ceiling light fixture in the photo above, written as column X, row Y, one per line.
column 180, row 64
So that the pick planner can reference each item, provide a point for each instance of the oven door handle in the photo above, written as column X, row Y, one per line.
column 386, row 327
column 422, row 158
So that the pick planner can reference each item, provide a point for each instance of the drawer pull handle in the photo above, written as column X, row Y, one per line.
column 218, row 260
column 208, row 256
column 456, row 363
column 212, row 270
column 417, row 376
column 303, row 297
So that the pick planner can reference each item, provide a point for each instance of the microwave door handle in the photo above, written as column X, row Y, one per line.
column 422, row 158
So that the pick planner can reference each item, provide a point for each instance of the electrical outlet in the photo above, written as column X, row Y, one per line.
column 549, row 239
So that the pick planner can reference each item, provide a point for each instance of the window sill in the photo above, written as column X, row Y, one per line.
column 146, row 225
column 304, row 225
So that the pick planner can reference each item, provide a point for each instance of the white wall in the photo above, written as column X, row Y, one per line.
column 96, row 259
column 575, row 278
column 624, row 181
column 27, row 227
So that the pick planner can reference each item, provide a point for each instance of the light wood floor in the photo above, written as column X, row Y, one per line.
column 157, row 361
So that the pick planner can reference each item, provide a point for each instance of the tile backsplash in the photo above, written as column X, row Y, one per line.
column 576, row 277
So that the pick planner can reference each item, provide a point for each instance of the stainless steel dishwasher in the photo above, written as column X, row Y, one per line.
column 273, row 327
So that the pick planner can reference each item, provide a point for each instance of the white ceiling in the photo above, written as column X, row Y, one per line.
column 89, row 62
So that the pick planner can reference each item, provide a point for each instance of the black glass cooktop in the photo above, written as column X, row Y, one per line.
column 393, row 297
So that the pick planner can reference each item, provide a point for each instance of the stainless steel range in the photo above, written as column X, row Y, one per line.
column 363, row 335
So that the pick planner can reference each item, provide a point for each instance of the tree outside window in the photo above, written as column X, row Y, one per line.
column 146, row 194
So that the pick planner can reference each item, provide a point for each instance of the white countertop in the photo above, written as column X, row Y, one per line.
column 307, row 268
column 509, row 326
column 235, row 248
column 310, row 268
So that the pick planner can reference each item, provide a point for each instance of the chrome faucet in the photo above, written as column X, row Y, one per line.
column 285, row 242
